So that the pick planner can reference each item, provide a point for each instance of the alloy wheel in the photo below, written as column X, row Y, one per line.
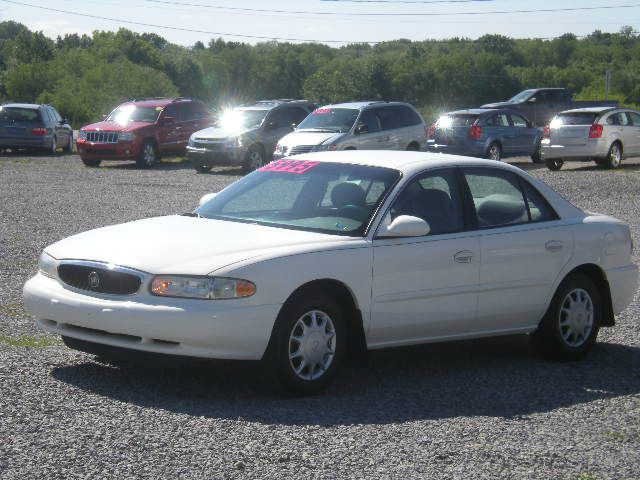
column 149, row 154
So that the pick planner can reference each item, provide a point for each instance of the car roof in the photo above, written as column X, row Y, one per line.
column 33, row 106
column 591, row 109
column 156, row 102
column 271, row 104
column 478, row 111
column 361, row 105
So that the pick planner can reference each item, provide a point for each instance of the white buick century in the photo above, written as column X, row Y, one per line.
column 310, row 256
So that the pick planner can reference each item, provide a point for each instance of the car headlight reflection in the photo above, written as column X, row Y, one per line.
column 207, row 288
column 47, row 265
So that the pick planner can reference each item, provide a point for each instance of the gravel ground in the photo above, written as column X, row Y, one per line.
column 484, row 409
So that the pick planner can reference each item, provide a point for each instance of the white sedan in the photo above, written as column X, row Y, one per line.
column 310, row 256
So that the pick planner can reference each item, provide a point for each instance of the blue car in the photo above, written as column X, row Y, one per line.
column 484, row 132
column 34, row 127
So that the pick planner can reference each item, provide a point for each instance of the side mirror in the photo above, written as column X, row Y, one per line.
column 104, row 116
column 64, row 121
column 205, row 198
column 405, row 226
column 294, row 125
column 361, row 128
column 168, row 120
column 532, row 100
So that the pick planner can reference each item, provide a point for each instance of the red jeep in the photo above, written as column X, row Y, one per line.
column 142, row 130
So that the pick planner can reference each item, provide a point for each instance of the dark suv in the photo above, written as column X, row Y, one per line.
column 32, row 126
column 142, row 130
column 247, row 135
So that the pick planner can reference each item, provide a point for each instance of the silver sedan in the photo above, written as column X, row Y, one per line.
column 602, row 134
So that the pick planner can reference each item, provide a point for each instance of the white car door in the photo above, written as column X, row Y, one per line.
column 523, row 249
column 425, row 287
column 371, row 138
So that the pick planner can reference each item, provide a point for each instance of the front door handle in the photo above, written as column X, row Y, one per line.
column 465, row 256
column 553, row 245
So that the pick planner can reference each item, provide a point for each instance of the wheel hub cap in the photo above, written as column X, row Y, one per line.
column 312, row 345
column 576, row 317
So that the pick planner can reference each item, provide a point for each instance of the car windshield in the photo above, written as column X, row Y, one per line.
column 521, row 97
column 19, row 114
column 133, row 113
column 576, row 118
column 324, row 197
column 337, row 120
column 239, row 119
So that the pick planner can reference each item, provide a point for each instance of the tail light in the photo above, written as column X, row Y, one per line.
column 475, row 132
column 39, row 131
column 546, row 132
column 595, row 131
column 431, row 131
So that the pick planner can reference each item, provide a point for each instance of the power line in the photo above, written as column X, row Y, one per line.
column 221, row 34
column 407, row 1
column 390, row 14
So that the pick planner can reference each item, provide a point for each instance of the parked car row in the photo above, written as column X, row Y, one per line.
column 28, row 126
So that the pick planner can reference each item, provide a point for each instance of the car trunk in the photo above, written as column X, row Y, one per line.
column 572, row 128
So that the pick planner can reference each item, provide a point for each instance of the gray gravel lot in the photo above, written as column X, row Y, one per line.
column 484, row 409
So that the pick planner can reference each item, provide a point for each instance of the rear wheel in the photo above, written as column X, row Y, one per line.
column 413, row 147
column 554, row 163
column 90, row 162
column 494, row 152
column 254, row 159
column 148, row 156
column 68, row 148
column 536, row 157
column 54, row 146
column 308, row 344
column 570, row 326
column 614, row 156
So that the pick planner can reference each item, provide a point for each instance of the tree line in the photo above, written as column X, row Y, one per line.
column 85, row 76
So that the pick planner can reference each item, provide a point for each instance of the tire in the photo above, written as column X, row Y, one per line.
column 324, row 345
column 494, row 152
column 570, row 327
column 413, row 147
column 54, row 146
column 614, row 156
column 554, row 164
column 148, row 155
column 90, row 162
column 68, row 148
column 204, row 168
column 254, row 159
column 536, row 157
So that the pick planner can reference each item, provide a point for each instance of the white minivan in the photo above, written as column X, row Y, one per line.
column 356, row 126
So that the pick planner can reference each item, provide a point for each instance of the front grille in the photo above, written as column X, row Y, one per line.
column 300, row 149
column 209, row 146
column 100, row 280
column 102, row 137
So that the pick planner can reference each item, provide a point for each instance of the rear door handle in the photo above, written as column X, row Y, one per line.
column 465, row 256
column 553, row 245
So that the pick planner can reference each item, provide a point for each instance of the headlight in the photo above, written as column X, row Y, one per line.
column 281, row 149
column 208, row 288
column 82, row 135
column 47, row 265
column 126, row 136
column 192, row 142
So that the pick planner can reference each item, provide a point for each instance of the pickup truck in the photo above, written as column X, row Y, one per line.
column 540, row 105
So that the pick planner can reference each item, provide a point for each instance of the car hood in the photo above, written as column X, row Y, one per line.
column 115, row 127
column 309, row 138
column 498, row 105
column 188, row 245
column 215, row 133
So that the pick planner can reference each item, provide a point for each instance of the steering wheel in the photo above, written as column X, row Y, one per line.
column 354, row 212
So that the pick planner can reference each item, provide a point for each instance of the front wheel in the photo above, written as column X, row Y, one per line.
column 494, row 152
column 570, row 326
column 89, row 162
column 148, row 156
column 254, row 159
column 307, row 345
column 554, row 163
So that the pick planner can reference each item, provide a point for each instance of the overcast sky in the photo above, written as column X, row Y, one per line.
column 373, row 20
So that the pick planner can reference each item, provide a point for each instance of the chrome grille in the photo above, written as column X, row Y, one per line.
column 208, row 145
column 300, row 149
column 102, row 137
column 99, row 279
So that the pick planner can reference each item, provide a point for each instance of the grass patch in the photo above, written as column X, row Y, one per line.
column 29, row 341
column 586, row 476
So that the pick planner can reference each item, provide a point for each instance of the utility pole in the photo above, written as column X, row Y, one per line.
column 607, row 82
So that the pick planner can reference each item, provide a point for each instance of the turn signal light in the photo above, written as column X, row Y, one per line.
column 39, row 131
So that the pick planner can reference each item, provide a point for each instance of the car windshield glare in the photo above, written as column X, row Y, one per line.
column 133, row 113
column 323, row 197
column 457, row 120
column 330, row 119
column 575, row 118
column 237, row 119
column 521, row 97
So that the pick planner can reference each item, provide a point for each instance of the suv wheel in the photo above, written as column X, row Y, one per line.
column 148, row 155
column 254, row 159
column 494, row 152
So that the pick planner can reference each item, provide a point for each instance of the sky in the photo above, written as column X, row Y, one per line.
column 335, row 22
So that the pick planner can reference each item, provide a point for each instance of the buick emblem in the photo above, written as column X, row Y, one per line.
column 94, row 280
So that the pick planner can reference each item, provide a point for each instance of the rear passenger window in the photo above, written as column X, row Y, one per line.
column 297, row 114
column 518, row 121
column 539, row 208
column 635, row 118
column 499, row 120
column 389, row 118
column 434, row 197
column 497, row 198
column 408, row 117
column 371, row 120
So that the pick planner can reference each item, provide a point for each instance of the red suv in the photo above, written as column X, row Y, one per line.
column 142, row 130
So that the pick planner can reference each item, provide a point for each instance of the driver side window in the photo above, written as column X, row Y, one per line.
column 435, row 197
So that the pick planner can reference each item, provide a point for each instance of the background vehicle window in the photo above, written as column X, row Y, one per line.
column 618, row 119
column 497, row 198
column 434, row 197
column 171, row 111
column 185, row 112
column 297, row 114
column 389, row 118
column 499, row 120
column 408, row 117
column 457, row 120
column 555, row 96
column 197, row 111
column 577, row 118
column 518, row 121
column 279, row 118
column 635, row 118
column 19, row 114
column 539, row 208
column 371, row 120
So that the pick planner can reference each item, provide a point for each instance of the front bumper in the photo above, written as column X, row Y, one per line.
column 221, row 329
column 592, row 149
column 108, row 151
column 205, row 156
